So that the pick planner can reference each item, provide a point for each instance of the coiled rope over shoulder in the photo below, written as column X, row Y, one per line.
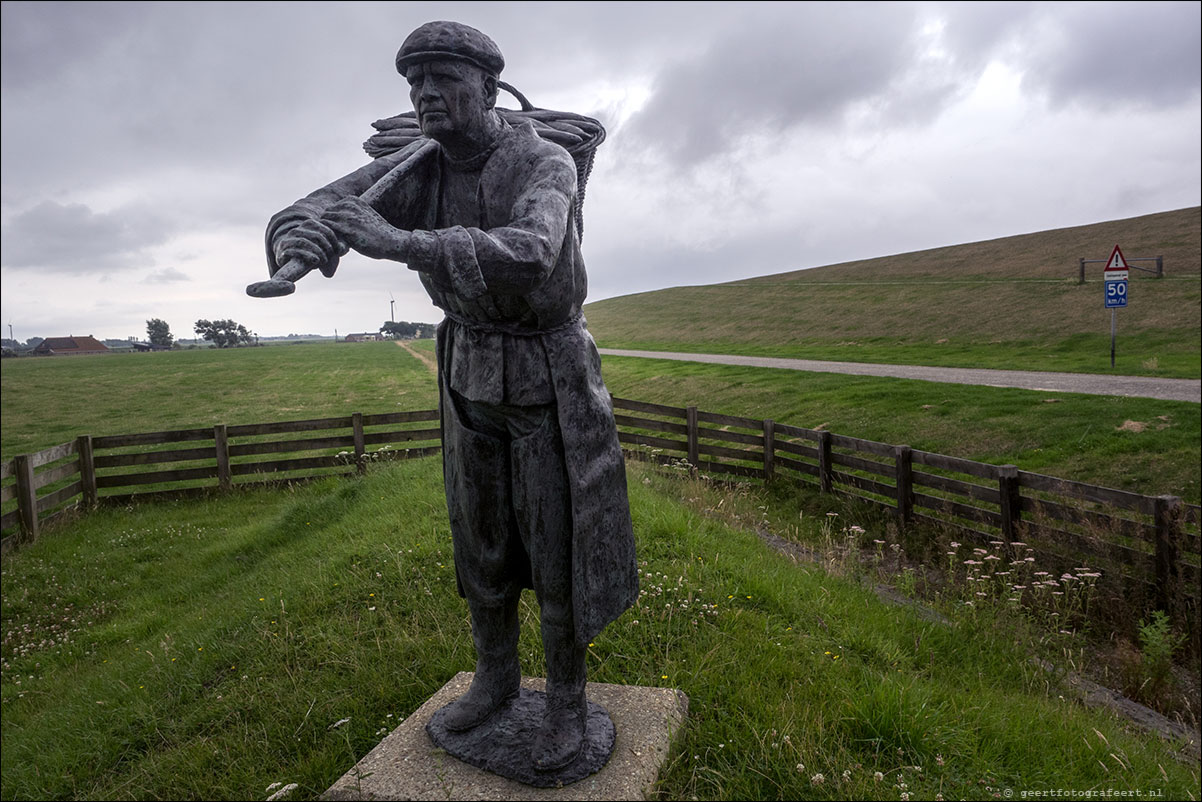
column 580, row 136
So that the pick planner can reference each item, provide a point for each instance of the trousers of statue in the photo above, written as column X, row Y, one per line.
column 511, row 524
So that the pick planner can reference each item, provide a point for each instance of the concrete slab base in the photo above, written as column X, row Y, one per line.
column 407, row 765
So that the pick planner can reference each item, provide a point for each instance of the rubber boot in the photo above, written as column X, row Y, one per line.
column 561, row 737
column 498, row 674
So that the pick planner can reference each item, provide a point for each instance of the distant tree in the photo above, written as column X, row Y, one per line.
column 159, row 333
column 34, row 342
column 223, row 333
column 406, row 330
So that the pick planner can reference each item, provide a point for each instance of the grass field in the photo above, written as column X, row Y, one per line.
column 1011, row 303
column 1143, row 445
column 1081, row 437
column 206, row 649
column 51, row 400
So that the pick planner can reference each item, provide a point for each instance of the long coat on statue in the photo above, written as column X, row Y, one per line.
column 511, row 287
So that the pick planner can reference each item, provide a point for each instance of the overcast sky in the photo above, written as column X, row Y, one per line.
column 145, row 146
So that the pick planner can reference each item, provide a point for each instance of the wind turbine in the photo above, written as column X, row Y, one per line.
column 391, row 307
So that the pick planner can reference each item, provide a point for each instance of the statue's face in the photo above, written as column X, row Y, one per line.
column 450, row 98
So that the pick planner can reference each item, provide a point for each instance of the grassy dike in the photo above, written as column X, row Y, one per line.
column 1008, row 303
column 209, row 648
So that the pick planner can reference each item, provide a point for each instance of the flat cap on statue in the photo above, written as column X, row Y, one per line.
column 439, row 40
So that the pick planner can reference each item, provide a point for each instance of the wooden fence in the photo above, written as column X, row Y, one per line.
column 1150, row 544
column 37, row 488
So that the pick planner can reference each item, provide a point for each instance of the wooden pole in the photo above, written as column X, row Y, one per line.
column 902, row 460
column 1168, row 552
column 825, row 480
column 769, row 450
column 27, row 496
column 360, row 448
column 691, row 423
column 221, row 444
column 1010, row 501
column 87, row 471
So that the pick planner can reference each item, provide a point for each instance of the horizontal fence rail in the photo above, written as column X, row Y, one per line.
column 38, row 488
column 1150, row 544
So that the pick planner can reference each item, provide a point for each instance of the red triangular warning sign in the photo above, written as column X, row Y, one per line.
column 1116, row 262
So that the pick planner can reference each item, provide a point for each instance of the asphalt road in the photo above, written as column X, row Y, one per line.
column 1092, row 384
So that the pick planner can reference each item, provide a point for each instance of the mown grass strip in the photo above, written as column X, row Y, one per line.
column 209, row 648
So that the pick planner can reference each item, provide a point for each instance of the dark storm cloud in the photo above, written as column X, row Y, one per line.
column 1115, row 54
column 71, row 238
column 901, row 64
column 206, row 86
column 770, row 71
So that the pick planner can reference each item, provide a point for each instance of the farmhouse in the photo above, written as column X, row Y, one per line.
column 57, row 346
column 367, row 336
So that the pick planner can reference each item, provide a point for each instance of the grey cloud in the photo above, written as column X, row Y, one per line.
column 774, row 70
column 1142, row 54
column 71, row 238
column 44, row 43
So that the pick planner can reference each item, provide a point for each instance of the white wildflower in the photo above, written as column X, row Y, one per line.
column 283, row 792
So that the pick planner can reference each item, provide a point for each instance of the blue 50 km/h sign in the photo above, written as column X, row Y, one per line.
column 1116, row 294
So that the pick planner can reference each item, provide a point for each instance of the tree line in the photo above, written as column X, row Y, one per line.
column 229, row 333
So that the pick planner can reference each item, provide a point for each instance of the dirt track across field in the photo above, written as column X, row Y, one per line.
column 1091, row 384
column 425, row 360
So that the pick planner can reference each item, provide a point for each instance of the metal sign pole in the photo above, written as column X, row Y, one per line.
column 1113, row 316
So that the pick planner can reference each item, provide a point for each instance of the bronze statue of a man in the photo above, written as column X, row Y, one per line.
column 485, row 211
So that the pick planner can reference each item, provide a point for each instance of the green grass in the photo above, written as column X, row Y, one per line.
column 1078, row 437
column 1069, row 435
column 1160, row 354
column 208, row 648
column 1011, row 303
column 47, row 401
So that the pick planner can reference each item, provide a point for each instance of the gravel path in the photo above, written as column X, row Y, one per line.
column 1092, row 384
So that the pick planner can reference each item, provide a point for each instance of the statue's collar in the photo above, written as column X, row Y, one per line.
column 476, row 163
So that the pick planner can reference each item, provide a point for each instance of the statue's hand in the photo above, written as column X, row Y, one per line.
column 312, row 243
column 362, row 228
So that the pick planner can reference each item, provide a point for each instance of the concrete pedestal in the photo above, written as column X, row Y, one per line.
column 407, row 765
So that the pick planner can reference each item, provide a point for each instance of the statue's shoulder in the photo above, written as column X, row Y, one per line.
column 524, row 136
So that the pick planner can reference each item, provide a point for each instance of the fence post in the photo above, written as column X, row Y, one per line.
column 27, row 496
column 87, row 471
column 824, row 462
column 1168, row 552
column 1081, row 264
column 360, row 447
column 905, row 483
column 1009, row 501
column 691, row 423
column 221, row 444
column 769, row 449
column 1159, row 267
